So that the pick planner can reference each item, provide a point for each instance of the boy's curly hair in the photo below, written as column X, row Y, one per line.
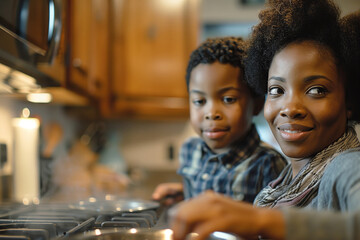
column 226, row 50
column 350, row 39
column 286, row 21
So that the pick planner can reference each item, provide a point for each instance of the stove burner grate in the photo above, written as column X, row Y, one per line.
column 45, row 222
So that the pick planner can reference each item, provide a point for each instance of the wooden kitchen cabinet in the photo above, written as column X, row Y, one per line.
column 88, row 66
column 151, row 41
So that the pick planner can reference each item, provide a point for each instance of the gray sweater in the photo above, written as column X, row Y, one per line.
column 325, row 225
column 337, row 204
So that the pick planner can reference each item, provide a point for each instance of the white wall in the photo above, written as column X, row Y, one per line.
column 220, row 11
column 348, row 6
column 232, row 11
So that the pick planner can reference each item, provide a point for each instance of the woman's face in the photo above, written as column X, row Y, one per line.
column 305, row 106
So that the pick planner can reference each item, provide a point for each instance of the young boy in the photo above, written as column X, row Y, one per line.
column 228, row 156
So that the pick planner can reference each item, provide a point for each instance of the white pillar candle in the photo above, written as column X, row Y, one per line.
column 26, row 160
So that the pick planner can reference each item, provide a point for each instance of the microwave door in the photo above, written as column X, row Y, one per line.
column 35, row 26
column 30, row 32
column 54, row 31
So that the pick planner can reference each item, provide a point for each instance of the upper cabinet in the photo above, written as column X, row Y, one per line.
column 130, row 56
column 88, row 41
column 150, row 42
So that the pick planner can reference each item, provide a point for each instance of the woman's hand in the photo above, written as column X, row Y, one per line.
column 168, row 193
column 212, row 212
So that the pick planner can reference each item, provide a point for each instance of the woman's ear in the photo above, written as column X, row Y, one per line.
column 348, row 114
column 258, row 104
column 349, row 108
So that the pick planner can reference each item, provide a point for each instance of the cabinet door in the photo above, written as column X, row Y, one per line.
column 152, row 42
column 89, row 36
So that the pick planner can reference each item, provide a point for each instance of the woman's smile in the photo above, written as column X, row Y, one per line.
column 294, row 132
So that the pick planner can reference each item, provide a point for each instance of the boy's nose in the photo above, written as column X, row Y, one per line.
column 213, row 116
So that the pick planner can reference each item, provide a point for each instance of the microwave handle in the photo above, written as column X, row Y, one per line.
column 55, row 9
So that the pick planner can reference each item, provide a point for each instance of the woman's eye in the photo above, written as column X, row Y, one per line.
column 317, row 91
column 198, row 102
column 229, row 99
column 275, row 91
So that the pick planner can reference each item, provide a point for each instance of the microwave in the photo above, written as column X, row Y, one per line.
column 30, row 34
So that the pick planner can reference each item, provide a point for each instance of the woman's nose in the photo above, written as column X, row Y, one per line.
column 293, row 108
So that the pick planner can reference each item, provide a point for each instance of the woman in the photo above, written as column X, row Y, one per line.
column 306, row 70
column 296, row 58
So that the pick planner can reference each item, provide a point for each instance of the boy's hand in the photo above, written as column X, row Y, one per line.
column 168, row 193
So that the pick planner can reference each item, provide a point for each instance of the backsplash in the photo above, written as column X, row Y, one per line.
column 11, row 108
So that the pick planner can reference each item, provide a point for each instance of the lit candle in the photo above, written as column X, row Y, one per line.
column 26, row 158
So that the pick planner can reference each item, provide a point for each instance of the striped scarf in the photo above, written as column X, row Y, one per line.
column 301, row 190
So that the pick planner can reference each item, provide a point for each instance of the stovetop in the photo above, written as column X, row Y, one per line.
column 57, row 221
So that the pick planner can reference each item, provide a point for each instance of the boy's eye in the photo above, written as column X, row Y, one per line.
column 198, row 102
column 317, row 91
column 274, row 91
column 229, row 99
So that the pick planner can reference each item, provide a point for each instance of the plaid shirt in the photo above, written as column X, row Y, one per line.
column 241, row 173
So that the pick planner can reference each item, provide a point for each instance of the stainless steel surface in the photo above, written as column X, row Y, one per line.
column 146, row 234
column 113, row 204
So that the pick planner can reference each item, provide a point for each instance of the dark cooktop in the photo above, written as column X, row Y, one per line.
column 55, row 221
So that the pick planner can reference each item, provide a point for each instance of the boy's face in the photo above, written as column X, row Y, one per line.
column 221, row 106
column 305, row 107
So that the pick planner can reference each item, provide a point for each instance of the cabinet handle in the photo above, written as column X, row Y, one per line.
column 77, row 65
column 97, row 83
column 151, row 32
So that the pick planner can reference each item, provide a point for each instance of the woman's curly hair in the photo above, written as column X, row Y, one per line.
column 350, row 39
column 226, row 50
column 284, row 22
